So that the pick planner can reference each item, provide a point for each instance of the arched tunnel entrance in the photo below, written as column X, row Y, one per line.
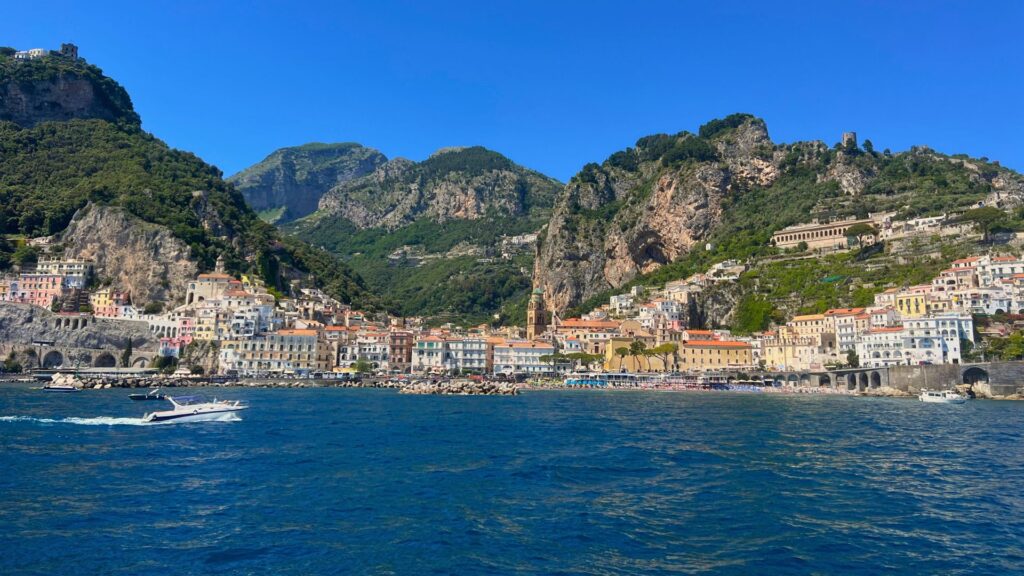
column 973, row 375
column 876, row 380
column 53, row 359
column 105, row 360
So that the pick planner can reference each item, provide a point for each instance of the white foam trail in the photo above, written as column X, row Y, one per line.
column 108, row 420
column 98, row 421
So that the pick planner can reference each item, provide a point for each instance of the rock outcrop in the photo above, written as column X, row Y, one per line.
column 22, row 324
column 55, row 88
column 638, row 212
column 146, row 259
column 291, row 181
column 453, row 184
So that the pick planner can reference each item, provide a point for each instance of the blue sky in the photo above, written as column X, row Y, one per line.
column 553, row 85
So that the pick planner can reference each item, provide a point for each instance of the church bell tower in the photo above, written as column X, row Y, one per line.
column 536, row 315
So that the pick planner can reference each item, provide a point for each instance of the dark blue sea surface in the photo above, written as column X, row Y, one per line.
column 333, row 481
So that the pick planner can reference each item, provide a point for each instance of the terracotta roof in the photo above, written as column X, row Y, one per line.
column 297, row 332
column 967, row 260
column 581, row 323
column 214, row 276
column 717, row 343
column 807, row 317
column 699, row 332
column 1005, row 259
column 843, row 311
column 529, row 345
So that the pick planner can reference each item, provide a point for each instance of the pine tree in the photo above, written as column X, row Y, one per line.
column 126, row 356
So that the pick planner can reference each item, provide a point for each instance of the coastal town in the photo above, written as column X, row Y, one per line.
column 254, row 333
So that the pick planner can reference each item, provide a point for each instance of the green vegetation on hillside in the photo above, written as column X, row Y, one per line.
column 459, row 289
column 51, row 170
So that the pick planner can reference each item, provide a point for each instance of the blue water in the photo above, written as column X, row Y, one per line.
column 335, row 481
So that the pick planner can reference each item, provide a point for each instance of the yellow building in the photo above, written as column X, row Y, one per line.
column 811, row 324
column 613, row 362
column 701, row 355
column 911, row 304
column 788, row 350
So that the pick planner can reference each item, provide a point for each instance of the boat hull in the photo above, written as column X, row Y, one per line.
column 225, row 415
column 943, row 400
column 45, row 389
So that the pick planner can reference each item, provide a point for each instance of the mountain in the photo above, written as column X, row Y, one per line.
column 57, row 158
column 429, row 234
column 289, row 183
column 453, row 184
column 675, row 204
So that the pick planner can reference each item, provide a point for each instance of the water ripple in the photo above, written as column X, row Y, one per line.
column 353, row 481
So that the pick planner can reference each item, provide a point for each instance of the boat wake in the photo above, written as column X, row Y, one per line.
column 97, row 421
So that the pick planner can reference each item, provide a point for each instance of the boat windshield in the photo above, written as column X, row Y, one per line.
column 189, row 400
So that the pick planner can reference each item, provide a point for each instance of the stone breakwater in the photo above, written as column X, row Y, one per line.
column 459, row 387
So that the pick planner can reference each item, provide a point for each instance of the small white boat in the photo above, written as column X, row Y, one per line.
column 195, row 409
column 941, row 397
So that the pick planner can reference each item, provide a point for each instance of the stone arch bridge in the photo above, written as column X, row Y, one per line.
column 996, row 378
column 50, row 356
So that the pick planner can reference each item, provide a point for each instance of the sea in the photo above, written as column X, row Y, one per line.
column 343, row 481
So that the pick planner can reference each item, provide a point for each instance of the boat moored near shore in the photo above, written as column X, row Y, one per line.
column 941, row 397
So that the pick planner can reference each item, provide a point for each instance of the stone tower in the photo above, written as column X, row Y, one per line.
column 69, row 50
column 849, row 139
column 220, row 264
column 536, row 315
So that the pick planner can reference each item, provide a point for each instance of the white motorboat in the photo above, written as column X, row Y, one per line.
column 195, row 409
column 941, row 397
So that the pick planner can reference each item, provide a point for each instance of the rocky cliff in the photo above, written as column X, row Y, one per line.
column 722, row 192
column 453, row 184
column 22, row 324
column 55, row 88
column 145, row 259
column 289, row 183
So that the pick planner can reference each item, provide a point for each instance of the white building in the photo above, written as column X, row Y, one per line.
column 522, row 358
column 880, row 347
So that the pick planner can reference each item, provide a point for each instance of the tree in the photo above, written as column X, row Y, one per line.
column 621, row 352
column 363, row 366
column 664, row 352
column 852, row 360
column 869, row 147
column 855, row 233
column 25, row 255
column 126, row 356
column 638, row 349
column 988, row 219
column 753, row 314
column 153, row 308
column 165, row 364
column 197, row 370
